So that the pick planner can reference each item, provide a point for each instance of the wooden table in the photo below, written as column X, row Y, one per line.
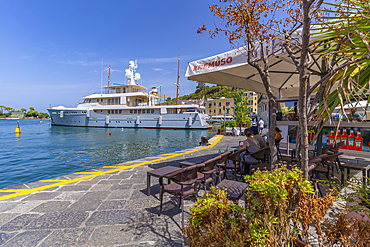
column 355, row 166
column 234, row 189
column 158, row 173
column 194, row 161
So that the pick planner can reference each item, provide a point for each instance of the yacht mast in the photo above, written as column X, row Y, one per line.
column 178, row 78
column 108, row 78
column 101, row 77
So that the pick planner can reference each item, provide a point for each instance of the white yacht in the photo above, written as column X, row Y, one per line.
column 129, row 106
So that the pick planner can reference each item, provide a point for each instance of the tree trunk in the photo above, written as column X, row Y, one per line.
column 272, row 127
column 302, row 147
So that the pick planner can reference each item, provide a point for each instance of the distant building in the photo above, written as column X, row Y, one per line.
column 252, row 101
column 263, row 108
column 16, row 114
column 216, row 106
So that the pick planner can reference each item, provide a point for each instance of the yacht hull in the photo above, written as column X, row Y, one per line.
column 80, row 118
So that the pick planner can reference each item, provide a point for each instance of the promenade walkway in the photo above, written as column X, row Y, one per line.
column 107, row 206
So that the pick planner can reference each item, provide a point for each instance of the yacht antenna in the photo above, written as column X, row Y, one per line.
column 178, row 78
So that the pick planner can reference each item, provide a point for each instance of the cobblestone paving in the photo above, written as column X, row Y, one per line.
column 107, row 210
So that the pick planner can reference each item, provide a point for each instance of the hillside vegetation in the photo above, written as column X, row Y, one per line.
column 208, row 92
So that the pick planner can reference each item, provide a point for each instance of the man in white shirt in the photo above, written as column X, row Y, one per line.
column 261, row 125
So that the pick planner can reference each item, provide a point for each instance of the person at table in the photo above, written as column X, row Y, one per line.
column 260, row 140
column 353, row 116
column 251, row 146
column 277, row 134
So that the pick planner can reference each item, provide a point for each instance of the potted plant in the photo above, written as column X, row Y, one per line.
column 228, row 124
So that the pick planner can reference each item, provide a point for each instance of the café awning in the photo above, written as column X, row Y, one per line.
column 232, row 69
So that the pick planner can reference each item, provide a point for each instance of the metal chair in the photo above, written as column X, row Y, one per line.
column 329, row 161
column 220, row 166
column 182, row 185
column 206, row 173
column 235, row 162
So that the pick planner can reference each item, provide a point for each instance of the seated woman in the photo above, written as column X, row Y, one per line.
column 251, row 145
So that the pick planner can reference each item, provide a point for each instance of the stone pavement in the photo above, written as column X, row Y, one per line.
column 106, row 210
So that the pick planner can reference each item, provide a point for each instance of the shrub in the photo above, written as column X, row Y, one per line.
column 280, row 206
column 228, row 124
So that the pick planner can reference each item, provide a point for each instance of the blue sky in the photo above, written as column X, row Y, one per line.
column 51, row 51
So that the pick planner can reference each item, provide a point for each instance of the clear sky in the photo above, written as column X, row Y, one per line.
column 51, row 52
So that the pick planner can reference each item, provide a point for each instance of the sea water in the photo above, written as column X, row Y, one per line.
column 44, row 152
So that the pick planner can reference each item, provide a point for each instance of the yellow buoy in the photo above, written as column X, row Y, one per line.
column 17, row 130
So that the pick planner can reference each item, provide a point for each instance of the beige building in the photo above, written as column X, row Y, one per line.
column 216, row 106
column 252, row 101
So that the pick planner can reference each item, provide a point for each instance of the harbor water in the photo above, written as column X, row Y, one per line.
column 44, row 152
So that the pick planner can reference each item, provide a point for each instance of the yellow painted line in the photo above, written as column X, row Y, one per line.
column 214, row 140
column 133, row 161
column 12, row 190
column 53, row 180
column 112, row 166
column 84, row 172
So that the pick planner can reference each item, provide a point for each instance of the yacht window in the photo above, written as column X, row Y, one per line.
column 102, row 100
column 124, row 90
column 108, row 101
column 116, row 111
column 135, row 111
column 118, row 90
column 120, row 111
column 116, row 101
column 152, row 110
column 108, row 111
column 139, row 111
column 131, row 111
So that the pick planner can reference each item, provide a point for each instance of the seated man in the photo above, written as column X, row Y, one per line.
column 261, row 141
